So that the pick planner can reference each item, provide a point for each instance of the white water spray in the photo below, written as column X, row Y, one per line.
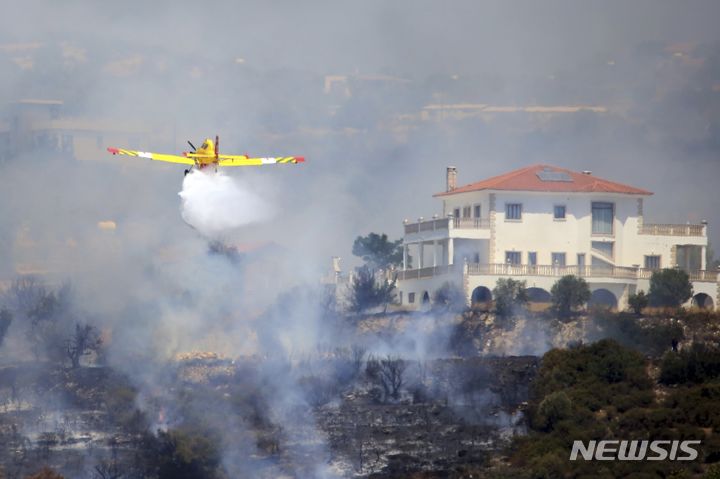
column 214, row 203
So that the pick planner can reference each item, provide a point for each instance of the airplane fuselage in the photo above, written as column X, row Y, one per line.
column 205, row 155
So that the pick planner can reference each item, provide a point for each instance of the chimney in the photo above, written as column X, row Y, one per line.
column 451, row 179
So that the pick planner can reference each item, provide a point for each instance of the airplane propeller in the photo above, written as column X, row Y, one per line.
column 192, row 146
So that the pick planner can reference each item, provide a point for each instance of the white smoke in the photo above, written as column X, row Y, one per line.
column 214, row 203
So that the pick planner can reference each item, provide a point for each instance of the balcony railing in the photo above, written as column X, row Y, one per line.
column 445, row 223
column 672, row 230
column 471, row 223
column 425, row 272
column 621, row 272
column 500, row 269
column 551, row 270
column 703, row 275
column 427, row 225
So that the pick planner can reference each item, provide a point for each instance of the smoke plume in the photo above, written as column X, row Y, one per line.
column 213, row 203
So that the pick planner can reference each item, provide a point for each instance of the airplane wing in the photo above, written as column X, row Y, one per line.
column 242, row 160
column 153, row 156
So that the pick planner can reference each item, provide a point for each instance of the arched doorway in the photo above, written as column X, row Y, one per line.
column 538, row 299
column 603, row 298
column 425, row 298
column 538, row 295
column 481, row 294
column 702, row 301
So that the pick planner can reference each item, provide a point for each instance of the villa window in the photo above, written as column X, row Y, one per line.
column 477, row 212
column 602, row 218
column 513, row 257
column 466, row 212
column 558, row 259
column 513, row 211
column 652, row 262
column 532, row 258
column 456, row 212
column 411, row 298
column 400, row 295
column 559, row 212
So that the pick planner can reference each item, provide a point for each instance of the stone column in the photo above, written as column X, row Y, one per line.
column 421, row 255
column 450, row 250
column 405, row 255
column 434, row 253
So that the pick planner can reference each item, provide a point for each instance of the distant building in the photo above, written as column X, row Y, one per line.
column 32, row 125
column 462, row 111
column 343, row 86
column 540, row 223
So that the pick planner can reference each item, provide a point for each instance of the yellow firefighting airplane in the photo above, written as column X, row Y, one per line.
column 208, row 155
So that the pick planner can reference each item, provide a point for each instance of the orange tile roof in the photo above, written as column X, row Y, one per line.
column 527, row 179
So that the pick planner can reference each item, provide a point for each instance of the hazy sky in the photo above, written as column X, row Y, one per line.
column 253, row 72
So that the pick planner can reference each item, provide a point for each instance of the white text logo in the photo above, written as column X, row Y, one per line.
column 616, row 450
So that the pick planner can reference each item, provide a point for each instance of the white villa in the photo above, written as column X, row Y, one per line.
column 540, row 223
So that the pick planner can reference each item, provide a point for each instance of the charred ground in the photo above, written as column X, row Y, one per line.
column 473, row 404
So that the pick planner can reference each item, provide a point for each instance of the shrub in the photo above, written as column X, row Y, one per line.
column 595, row 373
column 367, row 292
column 387, row 373
column 670, row 287
column 713, row 472
column 509, row 295
column 652, row 336
column 638, row 301
column 569, row 293
column 696, row 364
column 187, row 454
column 553, row 409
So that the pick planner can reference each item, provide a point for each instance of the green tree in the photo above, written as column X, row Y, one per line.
column 509, row 295
column 638, row 301
column 554, row 408
column 377, row 251
column 367, row 291
column 449, row 297
column 670, row 287
column 386, row 293
column 569, row 293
